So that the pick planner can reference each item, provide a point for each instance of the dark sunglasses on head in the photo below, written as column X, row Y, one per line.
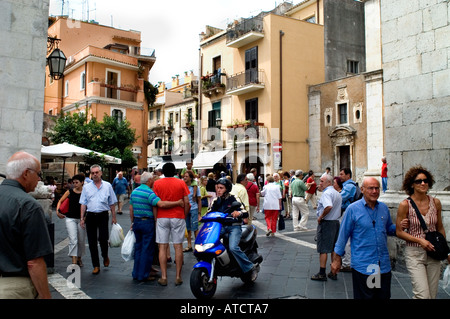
column 419, row 181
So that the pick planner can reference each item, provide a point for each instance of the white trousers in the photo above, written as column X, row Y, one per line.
column 299, row 206
column 424, row 272
column 77, row 237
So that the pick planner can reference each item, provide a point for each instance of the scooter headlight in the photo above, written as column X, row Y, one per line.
column 202, row 248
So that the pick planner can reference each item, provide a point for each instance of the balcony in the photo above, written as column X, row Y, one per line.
column 245, row 82
column 251, row 133
column 248, row 31
column 213, row 84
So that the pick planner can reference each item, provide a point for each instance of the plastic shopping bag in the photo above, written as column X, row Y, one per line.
column 116, row 237
column 446, row 277
column 128, row 246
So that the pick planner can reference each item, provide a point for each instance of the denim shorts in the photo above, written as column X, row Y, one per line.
column 192, row 220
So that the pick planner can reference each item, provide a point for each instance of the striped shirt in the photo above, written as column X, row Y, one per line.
column 143, row 199
column 415, row 229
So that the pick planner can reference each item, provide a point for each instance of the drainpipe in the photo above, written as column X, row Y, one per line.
column 281, row 96
column 318, row 12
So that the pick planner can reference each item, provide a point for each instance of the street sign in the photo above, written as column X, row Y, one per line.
column 277, row 147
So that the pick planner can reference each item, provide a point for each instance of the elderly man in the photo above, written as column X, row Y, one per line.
column 121, row 188
column 367, row 222
column 24, row 237
column 97, row 198
column 328, row 214
column 143, row 206
column 298, row 189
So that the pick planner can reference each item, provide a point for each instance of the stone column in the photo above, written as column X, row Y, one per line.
column 23, row 30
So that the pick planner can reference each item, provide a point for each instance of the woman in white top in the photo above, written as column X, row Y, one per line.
column 272, row 205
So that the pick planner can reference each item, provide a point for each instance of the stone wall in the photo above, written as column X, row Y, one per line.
column 23, row 30
column 416, row 71
column 416, row 48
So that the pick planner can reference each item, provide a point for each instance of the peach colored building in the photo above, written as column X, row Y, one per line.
column 105, row 74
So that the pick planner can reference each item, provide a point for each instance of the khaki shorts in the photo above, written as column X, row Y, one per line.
column 166, row 227
column 121, row 197
column 17, row 288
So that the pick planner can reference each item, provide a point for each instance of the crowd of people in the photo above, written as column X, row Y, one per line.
column 352, row 224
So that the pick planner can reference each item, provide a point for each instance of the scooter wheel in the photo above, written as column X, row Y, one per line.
column 200, row 287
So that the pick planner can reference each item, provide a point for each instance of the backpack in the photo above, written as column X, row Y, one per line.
column 358, row 193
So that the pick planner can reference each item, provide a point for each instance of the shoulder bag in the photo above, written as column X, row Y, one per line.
column 64, row 207
column 434, row 237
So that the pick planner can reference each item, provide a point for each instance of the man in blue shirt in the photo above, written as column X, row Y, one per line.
column 347, row 193
column 367, row 222
column 120, row 186
column 348, row 187
column 96, row 199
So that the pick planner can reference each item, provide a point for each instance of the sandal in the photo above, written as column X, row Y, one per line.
column 187, row 249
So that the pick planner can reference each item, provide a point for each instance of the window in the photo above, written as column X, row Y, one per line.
column 158, row 116
column 118, row 115
column 113, row 81
column 158, row 143
column 352, row 67
column 190, row 119
column 150, row 114
column 251, row 65
column 214, row 114
column 66, row 89
column 82, row 80
column 342, row 113
column 251, row 109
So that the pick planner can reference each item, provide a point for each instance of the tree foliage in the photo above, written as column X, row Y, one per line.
column 110, row 136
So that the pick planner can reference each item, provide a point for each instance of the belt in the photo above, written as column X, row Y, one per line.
column 144, row 218
column 300, row 196
column 105, row 211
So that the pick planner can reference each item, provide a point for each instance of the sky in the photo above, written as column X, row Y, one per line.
column 170, row 27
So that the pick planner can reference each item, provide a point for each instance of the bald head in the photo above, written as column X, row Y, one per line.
column 371, row 190
column 24, row 168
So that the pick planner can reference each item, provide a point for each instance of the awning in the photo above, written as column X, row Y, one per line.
column 205, row 160
column 73, row 152
column 178, row 164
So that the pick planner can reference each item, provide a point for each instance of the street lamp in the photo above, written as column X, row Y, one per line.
column 219, row 122
column 56, row 60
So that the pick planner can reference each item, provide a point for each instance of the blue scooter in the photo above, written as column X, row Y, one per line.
column 213, row 257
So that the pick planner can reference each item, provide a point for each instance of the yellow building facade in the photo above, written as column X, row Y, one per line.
column 267, row 63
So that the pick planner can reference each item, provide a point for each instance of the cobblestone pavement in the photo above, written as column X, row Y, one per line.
column 290, row 258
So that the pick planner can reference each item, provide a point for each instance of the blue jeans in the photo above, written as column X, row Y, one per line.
column 144, row 248
column 235, row 233
column 384, row 183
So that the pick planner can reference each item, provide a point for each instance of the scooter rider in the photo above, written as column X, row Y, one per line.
column 220, row 204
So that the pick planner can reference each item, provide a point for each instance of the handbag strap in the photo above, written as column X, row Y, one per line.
column 419, row 215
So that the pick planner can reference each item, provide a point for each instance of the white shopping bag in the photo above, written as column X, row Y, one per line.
column 446, row 276
column 128, row 246
column 116, row 237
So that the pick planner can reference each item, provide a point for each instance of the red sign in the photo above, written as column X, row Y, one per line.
column 277, row 147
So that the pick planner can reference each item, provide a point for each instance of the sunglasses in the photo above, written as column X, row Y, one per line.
column 419, row 181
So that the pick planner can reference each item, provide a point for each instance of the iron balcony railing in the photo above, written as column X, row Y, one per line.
column 247, row 77
column 246, row 26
